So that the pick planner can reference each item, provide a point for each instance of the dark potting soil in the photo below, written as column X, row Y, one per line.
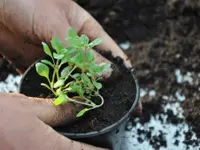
column 164, row 45
column 118, row 91
column 119, row 97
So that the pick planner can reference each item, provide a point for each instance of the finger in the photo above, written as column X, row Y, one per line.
column 17, row 51
column 53, row 115
column 22, row 49
column 21, row 52
column 31, row 130
column 86, row 24
column 44, row 109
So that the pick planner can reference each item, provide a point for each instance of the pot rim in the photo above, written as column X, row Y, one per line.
column 104, row 130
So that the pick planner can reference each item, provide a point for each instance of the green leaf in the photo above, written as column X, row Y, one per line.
column 42, row 70
column 80, row 90
column 97, row 85
column 89, row 56
column 75, row 42
column 86, row 78
column 58, row 56
column 93, row 67
column 95, row 42
column 105, row 67
column 87, row 81
column 72, row 33
column 84, row 39
column 59, row 83
column 45, row 85
column 62, row 98
column 76, row 75
column 70, row 49
column 82, row 112
column 78, row 59
column 47, row 62
column 76, row 88
column 64, row 60
column 102, row 69
column 89, row 74
column 57, row 44
column 68, row 54
column 58, row 91
column 65, row 71
column 46, row 49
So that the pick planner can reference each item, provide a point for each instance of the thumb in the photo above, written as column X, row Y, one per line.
column 44, row 109
column 53, row 115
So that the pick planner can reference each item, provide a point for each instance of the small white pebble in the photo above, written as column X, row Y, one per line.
column 180, row 96
column 125, row 45
column 143, row 92
column 165, row 97
column 10, row 84
column 152, row 93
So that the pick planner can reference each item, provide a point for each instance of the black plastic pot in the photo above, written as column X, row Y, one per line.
column 109, row 137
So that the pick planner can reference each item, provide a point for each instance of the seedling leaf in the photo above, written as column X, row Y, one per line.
column 102, row 69
column 97, row 85
column 45, row 85
column 65, row 71
column 58, row 56
column 59, row 83
column 42, row 70
column 46, row 49
column 95, row 42
column 90, row 56
column 84, row 39
column 57, row 44
column 72, row 33
column 105, row 67
column 89, row 74
column 60, row 100
column 82, row 112
column 75, row 42
column 76, row 75
column 47, row 62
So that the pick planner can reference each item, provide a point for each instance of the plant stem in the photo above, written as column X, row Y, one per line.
column 92, row 103
column 54, row 73
column 66, row 85
column 51, row 89
column 57, row 72
column 70, row 73
column 49, row 82
column 53, row 78
column 79, row 102
column 97, row 106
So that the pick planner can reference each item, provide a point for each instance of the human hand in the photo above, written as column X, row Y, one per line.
column 22, row 126
column 25, row 24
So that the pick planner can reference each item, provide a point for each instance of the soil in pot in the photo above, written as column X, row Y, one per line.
column 119, row 93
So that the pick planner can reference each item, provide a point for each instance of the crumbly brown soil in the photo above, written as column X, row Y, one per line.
column 164, row 35
column 118, row 92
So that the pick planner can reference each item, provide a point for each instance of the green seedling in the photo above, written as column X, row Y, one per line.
column 80, row 76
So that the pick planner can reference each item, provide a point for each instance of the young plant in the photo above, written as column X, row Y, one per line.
column 74, row 71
